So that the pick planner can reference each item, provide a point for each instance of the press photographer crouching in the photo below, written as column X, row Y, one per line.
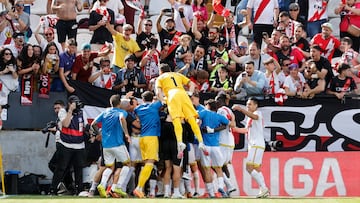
column 71, row 145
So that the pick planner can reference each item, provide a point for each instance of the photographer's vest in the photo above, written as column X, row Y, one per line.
column 74, row 134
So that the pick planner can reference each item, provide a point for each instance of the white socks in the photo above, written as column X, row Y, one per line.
column 105, row 177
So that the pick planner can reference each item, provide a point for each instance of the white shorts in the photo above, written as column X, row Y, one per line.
column 191, row 152
column 255, row 155
column 214, row 159
column 227, row 152
column 119, row 153
column 197, row 152
column 134, row 149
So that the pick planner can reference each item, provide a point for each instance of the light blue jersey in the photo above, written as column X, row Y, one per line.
column 111, row 130
column 212, row 120
column 149, row 116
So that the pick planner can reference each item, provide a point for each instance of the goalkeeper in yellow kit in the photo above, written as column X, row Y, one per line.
column 170, row 90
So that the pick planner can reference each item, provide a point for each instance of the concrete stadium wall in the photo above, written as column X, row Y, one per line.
column 25, row 151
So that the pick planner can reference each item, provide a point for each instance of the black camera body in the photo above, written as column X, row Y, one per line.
column 49, row 125
column 151, row 43
column 79, row 105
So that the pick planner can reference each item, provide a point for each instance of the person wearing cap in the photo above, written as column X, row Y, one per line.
column 66, row 11
column 84, row 63
column 49, row 36
column 169, row 39
column 216, row 58
column 294, row 13
column 130, row 78
column 20, row 19
column 71, row 146
column 295, row 82
column 124, row 45
column 326, row 40
column 97, row 20
column 67, row 59
column 104, row 77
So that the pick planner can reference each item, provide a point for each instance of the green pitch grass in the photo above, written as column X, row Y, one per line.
column 71, row 199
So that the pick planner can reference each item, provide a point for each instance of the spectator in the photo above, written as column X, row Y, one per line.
column 188, row 65
column 287, row 23
column 150, row 60
column 169, row 38
column 84, row 63
column 21, row 19
column 272, row 84
column 5, row 29
column 28, row 66
column 294, row 13
column 50, row 67
column 182, row 10
column 314, row 85
column 217, row 58
column 97, row 24
column 67, row 59
column 183, row 51
column 117, row 7
column 104, row 77
column 343, row 83
column 124, row 45
column 143, row 32
column 199, row 9
column 200, row 59
column 38, row 51
column 287, row 51
column 250, row 83
column 295, row 82
column 233, row 67
column 222, row 83
column 273, row 42
column 254, row 55
column 130, row 78
column 18, row 44
column 349, row 14
column 265, row 17
column 201, row 80
column 299, row 41
column 210, row 40
column 350, row 57
column 316, row 17
column 129, row 13
column 231, row 31
column 66, row 25
column 327, row 42
column 323, row 66
column 284, row 72
column 49, row 37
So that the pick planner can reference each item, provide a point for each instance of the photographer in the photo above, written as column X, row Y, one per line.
column 71, row 146
column 130, row 78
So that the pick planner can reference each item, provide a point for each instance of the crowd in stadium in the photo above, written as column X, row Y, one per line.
column 291, row 51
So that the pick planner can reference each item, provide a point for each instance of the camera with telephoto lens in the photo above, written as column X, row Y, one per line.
column 51, row 124
column 273, row 145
